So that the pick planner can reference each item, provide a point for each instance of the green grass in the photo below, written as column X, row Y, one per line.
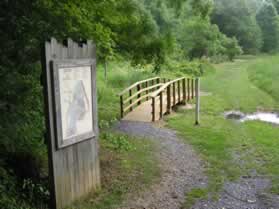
column 193, row 196
column 219, row 141
column 125, row 170
column 265, row 74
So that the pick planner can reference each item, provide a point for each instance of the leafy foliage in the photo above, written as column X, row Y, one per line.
column 268, row 20
column 236, row 19
column 117, row 142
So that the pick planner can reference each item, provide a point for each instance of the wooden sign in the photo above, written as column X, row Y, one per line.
column 73, row 84
column 71, row 120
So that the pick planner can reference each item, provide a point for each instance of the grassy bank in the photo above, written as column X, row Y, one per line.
column 265, row 75
column 128, row 165
column 232, row 149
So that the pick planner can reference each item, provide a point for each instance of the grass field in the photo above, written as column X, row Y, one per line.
column 128, row 165
column 265, row 73
column 247, row 85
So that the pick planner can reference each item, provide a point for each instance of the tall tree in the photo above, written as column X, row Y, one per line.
column 276, row 4
column 235, row 19
column 268, row 20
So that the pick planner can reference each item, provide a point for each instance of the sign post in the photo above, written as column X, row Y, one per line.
column 69, row 75
column 197, row 89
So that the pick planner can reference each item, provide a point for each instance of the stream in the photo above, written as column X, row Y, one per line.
column 269, row 117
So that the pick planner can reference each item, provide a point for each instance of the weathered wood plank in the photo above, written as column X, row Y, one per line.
column 73, row 170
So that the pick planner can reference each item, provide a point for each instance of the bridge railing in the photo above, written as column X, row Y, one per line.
column 134, row 95
column 174, row 92
column 165, row 91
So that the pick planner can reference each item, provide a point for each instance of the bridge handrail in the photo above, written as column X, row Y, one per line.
column 142, row 91
column 173, row 91
column 156, row 93
column 136, row 84
column 170, row 93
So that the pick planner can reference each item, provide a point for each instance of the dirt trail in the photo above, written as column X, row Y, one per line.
column 181, row 168
column 182, row 171
column 246, row 193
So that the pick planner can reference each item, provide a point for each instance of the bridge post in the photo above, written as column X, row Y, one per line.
column 169, row 99
column 147, row 92
column 131, row 101
column 188, row 89
column 184, row 90
column 161, row 104
column 121, row 107
column 153, row 109
column 193, row 88
column 178, row 89
column 197, row 89
column 138, row 89
column 174, row 94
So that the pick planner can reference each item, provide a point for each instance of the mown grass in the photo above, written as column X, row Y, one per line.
column 265, row 74
column 232, row 149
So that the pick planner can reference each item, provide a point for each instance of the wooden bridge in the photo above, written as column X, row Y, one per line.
column 150, row 99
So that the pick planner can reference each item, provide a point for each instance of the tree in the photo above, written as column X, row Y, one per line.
column 268, row 20
column 202, row 8
column 231, row 47
column 235, row 19
column 276, row 4
column 199, row 38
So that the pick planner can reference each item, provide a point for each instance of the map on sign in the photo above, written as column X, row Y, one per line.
column 76, row 101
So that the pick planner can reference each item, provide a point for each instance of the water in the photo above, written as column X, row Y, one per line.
column 268, row 117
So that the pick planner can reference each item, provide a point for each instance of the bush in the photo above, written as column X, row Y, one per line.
column 117, row 142
column 232, row 49
column 195, row 68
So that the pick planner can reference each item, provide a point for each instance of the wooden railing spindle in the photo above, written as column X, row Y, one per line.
column 121, row 107
column 184, row 90
column 188, row 89
column 168, row 99
column 138, row 89
column 161, row 104
column 131, row 100
column 153, row 109
column 178, row 89
column 147, row 91
column 193, row 89
column 174, row 94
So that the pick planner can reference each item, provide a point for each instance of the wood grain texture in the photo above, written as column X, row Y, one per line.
column 74, row 170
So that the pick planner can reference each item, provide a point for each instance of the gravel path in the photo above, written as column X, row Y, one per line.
column 246, row 193
column 182, row 171
column 181, row 168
